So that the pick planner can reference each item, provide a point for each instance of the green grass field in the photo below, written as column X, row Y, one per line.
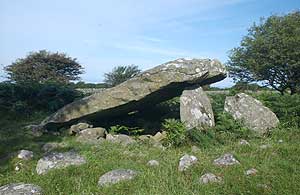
column 278, row 166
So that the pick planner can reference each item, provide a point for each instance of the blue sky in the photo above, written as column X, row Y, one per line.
column 103, row 34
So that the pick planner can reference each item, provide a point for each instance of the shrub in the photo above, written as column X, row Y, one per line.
column 27, row 99
column 175, row 132
column 124, row 129
column 202, row 138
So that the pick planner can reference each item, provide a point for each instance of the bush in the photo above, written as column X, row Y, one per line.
column 27, row 99
column 175, row 132
column 125, row 130
column 202, row 138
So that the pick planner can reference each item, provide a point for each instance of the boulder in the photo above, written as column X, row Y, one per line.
column 159, row 136
column 252, row 112
column 91, row 135
column 195, row 109
column 186, row 161
column 143, row 91
column 120, row 138
column 116, row 176
column 75, row 129
column 25, row 154
column 20, row 189
column 226, row 160
column 210, row 178
column 57, row 160
column 153, row 163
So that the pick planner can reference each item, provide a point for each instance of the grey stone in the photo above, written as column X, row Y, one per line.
column 280, row 141
column 244, row 142
column 195, row 149
column 252, row 112
column 186, row 161
column 20, row 189
column 120, row 138
column 144, row 137
column 91, row 135
column 226, row 160
column 25, row 154
column 52, row 146
column 156, row 85
column 75, row 129
column 153, row 163
column 116, row 176
column 195, row 109
column 57, row 160
column 251, row 171
column 36, row 130
column 265, row 146
column 210, row 178
column 159, row 136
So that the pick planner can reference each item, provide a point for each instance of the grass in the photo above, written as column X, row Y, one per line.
column 278, row 166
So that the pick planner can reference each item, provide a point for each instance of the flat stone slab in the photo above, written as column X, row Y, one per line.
column 210, row 178
column 187, row 161
column 151, row 87
column 57, row 160
column 195, row 109
column 20, row 189
column 252, row 112
column 91, row 135
column 116, row 176
column 226, row 160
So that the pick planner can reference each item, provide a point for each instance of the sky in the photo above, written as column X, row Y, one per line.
column 104, row 34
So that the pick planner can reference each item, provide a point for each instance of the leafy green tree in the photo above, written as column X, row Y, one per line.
column 120, row 74
column 270, row 54
column 42, row 67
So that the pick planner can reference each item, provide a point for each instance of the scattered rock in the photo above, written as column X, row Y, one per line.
column 91, row 135
column 159, row 136
column 116, row 176
column 74, row 129
column 251, row 171
column 18, row 166
column 120, row 138
column 20, row 189
column 146, row 89
column 153, row 163
column 254, row 114
column 195, row 149
column 210, row 178
column 186, row 161
column 57, row 160
column 226, row 160
column 52, row 146
column 144, row 137
column 195, row 109
column 25, row 154
column 265, row 146
column 244, row 142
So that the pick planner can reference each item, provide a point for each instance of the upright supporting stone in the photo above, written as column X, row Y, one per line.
column 195, row 109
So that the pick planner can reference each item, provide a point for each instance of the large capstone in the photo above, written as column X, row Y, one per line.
column 143, row 91
column 252, row 112
column 20, row 189
column 195, row 109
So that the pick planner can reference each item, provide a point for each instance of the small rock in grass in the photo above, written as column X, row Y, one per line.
column 116, row 176
column 210, row 178
column 265, row 146
column 153, row 163
column 244, row 142
column 57, row 160
column 120, row 138
column 52, row 146
column 25, row 154
column 186, row 161
column 226, row 160
column 251, row 171
column 74, row 129
column 280, row 141
column 18, row 166
column 20, row 189
column 195, row 149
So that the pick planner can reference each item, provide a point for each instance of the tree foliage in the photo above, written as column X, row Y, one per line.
column 270, row 53
column 120, row 74
column 43, row 66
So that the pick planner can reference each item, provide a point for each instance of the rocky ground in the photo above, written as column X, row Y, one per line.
column 253, row 166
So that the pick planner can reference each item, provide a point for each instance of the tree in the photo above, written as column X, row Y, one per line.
column 44, row 66
column 270, row 54
column 120, row 74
